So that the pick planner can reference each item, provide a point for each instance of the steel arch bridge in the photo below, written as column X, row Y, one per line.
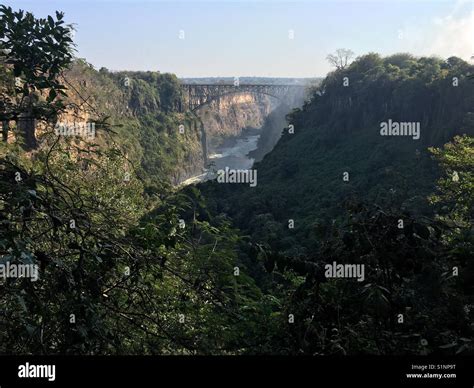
column 197, row 95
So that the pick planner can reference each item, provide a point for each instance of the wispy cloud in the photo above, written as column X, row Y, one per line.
column 452, row 34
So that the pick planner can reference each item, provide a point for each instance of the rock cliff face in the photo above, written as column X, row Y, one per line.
column 271, row 132
column 228, row 117
column 193, row 153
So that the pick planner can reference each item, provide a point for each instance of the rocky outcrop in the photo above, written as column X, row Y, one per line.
column 227, row 117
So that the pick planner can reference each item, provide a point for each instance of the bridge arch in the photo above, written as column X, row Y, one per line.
column 198, row 95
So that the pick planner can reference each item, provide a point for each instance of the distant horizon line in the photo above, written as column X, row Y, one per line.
column 96, row 67
column 243, row 77
column 250, row 76
column 214, row 76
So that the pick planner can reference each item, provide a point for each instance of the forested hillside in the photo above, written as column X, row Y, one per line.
column 142, row 108
column 336, row 152
column 334, row 189
column 120, row 266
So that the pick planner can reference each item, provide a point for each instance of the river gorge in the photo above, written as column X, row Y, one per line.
column 237, row 130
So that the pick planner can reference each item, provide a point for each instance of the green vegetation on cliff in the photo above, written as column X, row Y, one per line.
column 356, row 197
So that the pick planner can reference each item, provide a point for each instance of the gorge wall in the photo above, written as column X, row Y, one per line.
column 228, row 117
column 140, row 107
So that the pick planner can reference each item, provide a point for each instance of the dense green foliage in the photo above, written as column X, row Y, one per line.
column 337, row 132
column 115, row 278
column 356, row 220
column 33, row 53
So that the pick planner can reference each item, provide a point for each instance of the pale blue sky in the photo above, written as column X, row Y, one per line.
column 251, row 38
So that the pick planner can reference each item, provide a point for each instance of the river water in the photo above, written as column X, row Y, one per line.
column 233, row 154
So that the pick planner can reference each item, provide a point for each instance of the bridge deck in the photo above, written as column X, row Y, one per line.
column 198, row 95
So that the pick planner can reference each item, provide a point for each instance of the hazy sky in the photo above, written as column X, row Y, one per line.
column 245, row 38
